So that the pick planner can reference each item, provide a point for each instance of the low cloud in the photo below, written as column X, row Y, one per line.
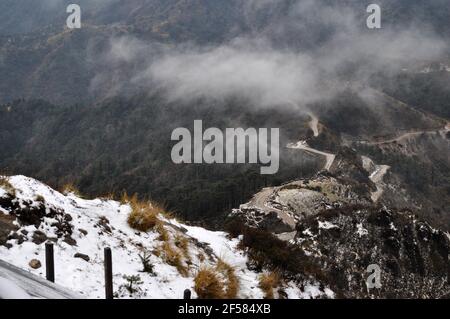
column 256, row 72
column 271, row 72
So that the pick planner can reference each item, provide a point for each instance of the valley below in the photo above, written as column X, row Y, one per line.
column 89, row 116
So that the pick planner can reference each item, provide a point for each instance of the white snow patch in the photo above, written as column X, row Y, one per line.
column 392, row 226
column 310, row 291
column 308, row 232
column 327, row 225
column 361, row 231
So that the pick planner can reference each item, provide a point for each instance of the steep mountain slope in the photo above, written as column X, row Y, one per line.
column 40, row 58
column 213, row 19
column 80, row 229
column 331, row 247
column 363, row 113
column 344, row 234
column 124, row 144
column 426, row 88
column 412, row 256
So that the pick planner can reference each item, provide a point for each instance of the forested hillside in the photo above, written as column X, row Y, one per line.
column 124, row 145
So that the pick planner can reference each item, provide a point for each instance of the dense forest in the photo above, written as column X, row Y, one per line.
column 124, row 145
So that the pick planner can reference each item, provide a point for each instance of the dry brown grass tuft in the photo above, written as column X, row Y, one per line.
column 144, row 215
column 126, row 199
column 182, row 243
column 70, row 188
column 108, row 196
column 162, row 231
column 208, row 285
column 173, row 257
column 6, row 185
column 232, row 281
column 219, row 282
column 268, row 282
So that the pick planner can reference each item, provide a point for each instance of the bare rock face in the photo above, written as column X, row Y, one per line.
column 27, row 212
column 268, row 220
column 39, row 237
column 342, row 233
column 279, row 209
column 6, row 227
column 35, row 264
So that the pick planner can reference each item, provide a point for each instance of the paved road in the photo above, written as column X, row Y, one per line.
column 409, row 134
column 302, row 145
column 261, row 201
column 377, row 179
column 35, row 287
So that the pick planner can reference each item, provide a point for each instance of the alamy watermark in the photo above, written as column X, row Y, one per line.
column 74, row 19
column 374, row 279
column 373, row 20
column 234, row 146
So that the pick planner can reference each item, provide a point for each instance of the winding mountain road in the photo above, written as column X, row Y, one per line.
column 303, row 145
column 377, row 178
column 261, row 201
column 406, row 135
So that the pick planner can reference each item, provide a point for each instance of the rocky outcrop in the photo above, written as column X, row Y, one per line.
column 411, row 255
column 279, row 209
column 344, row 235
column 6, row 228
column 22, row 213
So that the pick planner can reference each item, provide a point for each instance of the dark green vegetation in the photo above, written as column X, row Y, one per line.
column 369, row 113
column 429, row 91
column 81, row 107
column 124, row 145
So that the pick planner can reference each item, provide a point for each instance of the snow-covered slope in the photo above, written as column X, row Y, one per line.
column 36, row 213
